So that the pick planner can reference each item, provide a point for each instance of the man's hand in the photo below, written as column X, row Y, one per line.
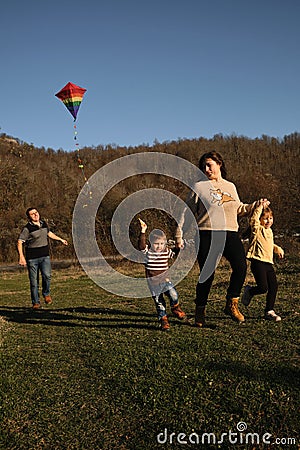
column 22, row 261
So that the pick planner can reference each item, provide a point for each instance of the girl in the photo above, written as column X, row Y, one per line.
column 260, row 253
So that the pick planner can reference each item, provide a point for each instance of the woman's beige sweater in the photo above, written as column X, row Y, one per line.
column 215, row 205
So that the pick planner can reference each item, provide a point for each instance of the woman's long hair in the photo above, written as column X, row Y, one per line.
column 216, row 157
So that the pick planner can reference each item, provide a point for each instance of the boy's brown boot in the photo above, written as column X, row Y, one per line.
column 200, row 316
column 232, row 310
column 164, row 324
column 177, row 312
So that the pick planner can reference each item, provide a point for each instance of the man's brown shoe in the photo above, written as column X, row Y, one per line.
column 36, row 305
column 48, row 299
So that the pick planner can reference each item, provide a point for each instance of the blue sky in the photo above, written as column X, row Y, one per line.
column 153, row 69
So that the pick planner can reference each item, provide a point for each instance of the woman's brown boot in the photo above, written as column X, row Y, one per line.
column 232, row 310
column 200, row 316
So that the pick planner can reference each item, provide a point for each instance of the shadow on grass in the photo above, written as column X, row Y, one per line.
column 283, row 375
column 109, row 318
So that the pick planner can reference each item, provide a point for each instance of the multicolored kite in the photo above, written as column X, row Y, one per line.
column 71, row 95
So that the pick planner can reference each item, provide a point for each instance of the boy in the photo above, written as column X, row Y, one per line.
column 156, row 266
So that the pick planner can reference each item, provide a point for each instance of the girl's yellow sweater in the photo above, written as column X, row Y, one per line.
column 261, row 245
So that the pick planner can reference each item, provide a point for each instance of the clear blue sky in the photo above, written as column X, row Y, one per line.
column 153, row 69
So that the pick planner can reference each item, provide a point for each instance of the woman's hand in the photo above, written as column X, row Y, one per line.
column 264, row 202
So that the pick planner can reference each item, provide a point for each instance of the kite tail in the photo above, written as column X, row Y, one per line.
column 80, row 162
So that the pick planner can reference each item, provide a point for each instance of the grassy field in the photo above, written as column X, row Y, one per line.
column 93, row 371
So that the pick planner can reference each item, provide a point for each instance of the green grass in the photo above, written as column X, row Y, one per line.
column 93, row 371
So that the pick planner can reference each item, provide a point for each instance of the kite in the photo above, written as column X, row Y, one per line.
column 71, row 95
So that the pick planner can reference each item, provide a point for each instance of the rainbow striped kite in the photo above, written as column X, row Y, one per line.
column 71, row 95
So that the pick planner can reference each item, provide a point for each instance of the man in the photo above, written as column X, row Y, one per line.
column 35, row 237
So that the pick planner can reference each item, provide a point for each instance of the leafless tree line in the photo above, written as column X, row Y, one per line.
column 51, row 181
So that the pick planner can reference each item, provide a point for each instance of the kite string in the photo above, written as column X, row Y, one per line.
column 79, row 160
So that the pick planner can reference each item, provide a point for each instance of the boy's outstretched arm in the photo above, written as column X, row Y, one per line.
column 142, row 238
column 143, row 226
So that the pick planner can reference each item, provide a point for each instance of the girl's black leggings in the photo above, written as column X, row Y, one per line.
column 233, row 251
column 266, row 282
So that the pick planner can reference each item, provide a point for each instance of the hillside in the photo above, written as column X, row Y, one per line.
column 51, row 181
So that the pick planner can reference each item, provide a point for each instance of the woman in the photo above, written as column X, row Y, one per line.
column 216, row 206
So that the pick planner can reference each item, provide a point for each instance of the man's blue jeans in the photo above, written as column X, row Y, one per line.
column 158, row 291
column 35, row 266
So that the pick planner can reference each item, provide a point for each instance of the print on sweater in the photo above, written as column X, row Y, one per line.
column 220, row 197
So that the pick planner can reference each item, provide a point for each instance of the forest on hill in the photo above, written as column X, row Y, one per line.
column 51, row 181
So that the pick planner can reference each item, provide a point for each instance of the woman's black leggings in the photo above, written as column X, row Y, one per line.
column 233, row 250
column 266, row 281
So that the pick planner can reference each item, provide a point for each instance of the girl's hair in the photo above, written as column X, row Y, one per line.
column 156, row 234
column 266, row 210
column 216, row 157
column 247, row 233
